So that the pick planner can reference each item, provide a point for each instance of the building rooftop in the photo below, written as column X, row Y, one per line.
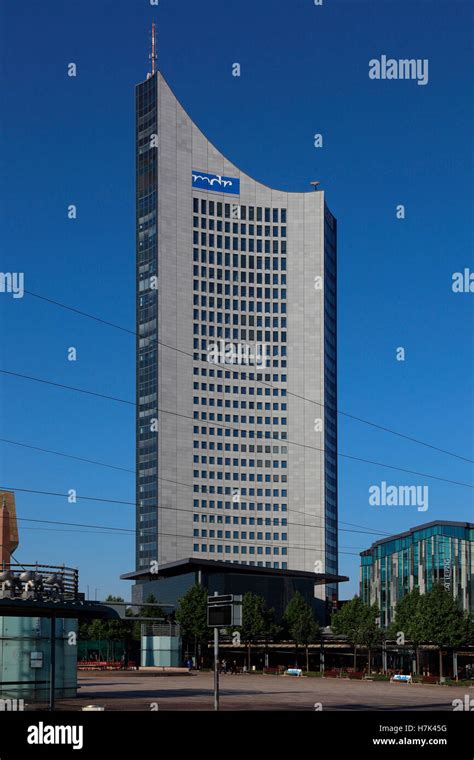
column 192, row 565
column 411, row 531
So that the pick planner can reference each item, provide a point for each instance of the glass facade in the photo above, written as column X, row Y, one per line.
column 147, row 323
column 330, row 395
column 432, row 553
column 277, row 591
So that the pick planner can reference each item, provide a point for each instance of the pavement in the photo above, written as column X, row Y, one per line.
column 194, row 691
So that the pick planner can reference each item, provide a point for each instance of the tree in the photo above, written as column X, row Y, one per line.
column 109, row 629
column 104, row 630
column 257, row 621
column 357, row 621
column 371, row 634
column 444, row 622
column 191, row 614
column 154, row 610
column 148, row 610
column 300, row 624
column 409, row 621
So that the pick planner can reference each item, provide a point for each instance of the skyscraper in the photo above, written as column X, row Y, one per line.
column 236, row 356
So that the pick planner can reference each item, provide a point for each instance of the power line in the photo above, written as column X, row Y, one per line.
column 17, row 561
column 81, row 313
column 188, row 485
column 312, row 547
column 201, row 538
column 74, row 530
column 68, row 387
column 68, row 456
column 237, row 370
column 79, row 525
column 265, row 528
column 128, row 530
column 67, row 496
column 181, row 535
column 178, row 535
column 224, row 426
column 176, row 509
column 102, row 464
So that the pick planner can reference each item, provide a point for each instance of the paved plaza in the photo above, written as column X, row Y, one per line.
column 194, row 691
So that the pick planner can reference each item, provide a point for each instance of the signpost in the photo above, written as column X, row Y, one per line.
column 224, row 611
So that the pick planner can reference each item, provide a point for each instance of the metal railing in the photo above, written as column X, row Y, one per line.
column 39, row 582
column 160, row 629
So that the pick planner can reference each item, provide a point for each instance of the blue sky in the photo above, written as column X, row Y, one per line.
column 304, row 70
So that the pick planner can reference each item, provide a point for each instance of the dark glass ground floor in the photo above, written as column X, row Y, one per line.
column 276, row 586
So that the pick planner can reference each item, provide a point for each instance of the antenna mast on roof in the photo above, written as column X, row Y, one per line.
column 153, row 56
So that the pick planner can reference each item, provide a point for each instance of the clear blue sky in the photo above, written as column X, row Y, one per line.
column 304, row 70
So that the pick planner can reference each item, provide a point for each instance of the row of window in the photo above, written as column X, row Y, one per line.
column 259, row 336
column 276, row 350
column 259, row 449
column 266, row 306
column 233, row 210
column 258, row 434
column 242, row 419
column 244, row 491
column 236, row 228
column 253, row 277
column 218, row 388
column 243, row 246
column 240, row 305
column 239, row 462
column 259, row 294
column 275, row 363
column 242, row 477
column 267, row 550
column 243, row 506
column 226, row 549
column 242, row 535
column 229, row 374
column 238, row 519
column 238, row 290
column 255, row 391
column 228, row 403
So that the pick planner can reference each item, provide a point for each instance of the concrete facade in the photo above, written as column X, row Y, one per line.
column 242, row 467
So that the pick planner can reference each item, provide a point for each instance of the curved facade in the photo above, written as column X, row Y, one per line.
column 436, row 552
column 237, row 429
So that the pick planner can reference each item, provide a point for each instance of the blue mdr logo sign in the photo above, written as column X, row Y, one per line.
column 216, row 182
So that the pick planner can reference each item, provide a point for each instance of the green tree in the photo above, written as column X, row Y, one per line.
column 371, row 634
column 357, row 621
column 257, row 621
column 300, row 625
column 444, row 622
column 409, row 620
column 191, row 614
column 108, row 630
column 148, row 610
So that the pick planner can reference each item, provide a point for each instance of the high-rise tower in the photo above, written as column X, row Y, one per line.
column 236, row 356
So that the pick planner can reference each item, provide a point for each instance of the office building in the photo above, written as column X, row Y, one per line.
column 236, row 357
column 435, row 552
